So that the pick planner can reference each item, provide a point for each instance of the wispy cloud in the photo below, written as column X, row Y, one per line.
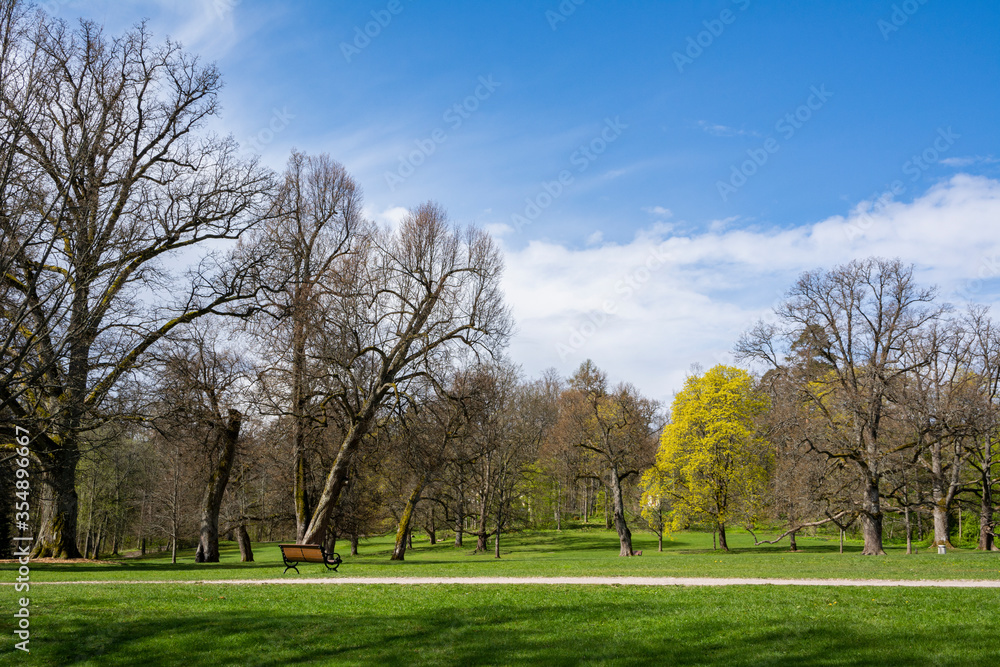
column 718, row 130
column 968, row 161
column 658, row 211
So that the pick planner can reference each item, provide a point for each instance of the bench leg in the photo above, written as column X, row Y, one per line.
column 291, row 566
column 332, row 564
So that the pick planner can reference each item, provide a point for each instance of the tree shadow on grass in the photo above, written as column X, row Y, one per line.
column 546, row 632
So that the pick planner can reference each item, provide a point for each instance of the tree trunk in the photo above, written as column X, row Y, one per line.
column 496, row 541
column 986, row 499
column 940, row 496
column 941, row 526
column 986, row 520
column 558, row 508
column 432, row 529
column 722, row 537
column 403, row 530
column 299, row 426
column 100, row 539
column 624, row 534
column 330, row 543
column 791, row 539
column 338, row 473
column 246, row 551
column 208, row 538
column 482, row 533
column 842, row 531
column 88, row 542
column 57, row 538
column 659, row 541
column 459, row 518
column 871, row 519
column 354, row 544
column 909, row 529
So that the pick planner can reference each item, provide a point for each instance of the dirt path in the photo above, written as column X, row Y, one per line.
column 573, row 581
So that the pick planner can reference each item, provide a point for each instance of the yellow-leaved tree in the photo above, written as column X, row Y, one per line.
column 712, row 465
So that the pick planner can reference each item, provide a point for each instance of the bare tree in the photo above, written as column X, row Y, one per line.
column 118, row 180
column 616, row 428
column 862, row 319
column 985, row 363
column 425, row 448
column 415, row 298
column 23, row 245
column 317, row 219
column 203, row 387
column 526, row 418
column 941, row 405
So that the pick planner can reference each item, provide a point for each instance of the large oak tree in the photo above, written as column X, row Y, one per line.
column 117, row 179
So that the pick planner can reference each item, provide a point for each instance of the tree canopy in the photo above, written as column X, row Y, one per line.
column 712, row 463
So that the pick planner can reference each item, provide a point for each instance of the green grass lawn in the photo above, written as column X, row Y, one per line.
column 222, row 623
column 580, row 552
column 228, row 624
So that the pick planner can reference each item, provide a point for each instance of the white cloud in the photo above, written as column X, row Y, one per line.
column 390, row 217
column 968, row 160
column 717, row 130
column 498, row 229
column 680, row 299
column 658, row 211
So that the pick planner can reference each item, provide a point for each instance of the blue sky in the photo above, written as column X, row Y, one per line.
column 709, row 151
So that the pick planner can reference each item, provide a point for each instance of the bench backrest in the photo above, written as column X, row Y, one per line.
column 303, row 553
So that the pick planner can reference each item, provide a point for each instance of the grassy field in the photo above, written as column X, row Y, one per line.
column 223, row 623
column 228, row 624
column 581, row 552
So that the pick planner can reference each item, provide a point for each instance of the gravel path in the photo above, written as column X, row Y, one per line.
column 574, row 581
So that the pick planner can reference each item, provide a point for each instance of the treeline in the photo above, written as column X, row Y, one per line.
column 200, row 347
column 876, row 404
column 883, row 400
column 196, row 345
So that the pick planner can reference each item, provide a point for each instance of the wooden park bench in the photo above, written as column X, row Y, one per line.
column 293, row 554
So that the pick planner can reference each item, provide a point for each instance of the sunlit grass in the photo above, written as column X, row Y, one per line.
column 228, row 624
column 579, row 552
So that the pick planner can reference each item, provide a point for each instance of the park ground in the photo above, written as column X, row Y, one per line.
column 220, row 623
